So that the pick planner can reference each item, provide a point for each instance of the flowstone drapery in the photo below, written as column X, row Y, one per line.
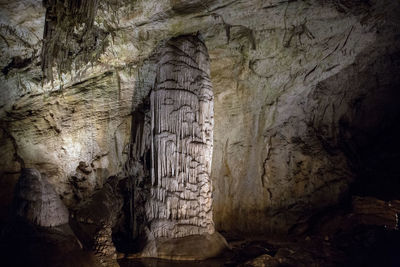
column 172, row 142
column 182, row 124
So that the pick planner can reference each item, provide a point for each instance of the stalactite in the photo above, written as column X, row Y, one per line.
column 71, row 39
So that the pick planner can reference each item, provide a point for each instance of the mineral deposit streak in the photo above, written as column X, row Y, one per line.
column 181, row 104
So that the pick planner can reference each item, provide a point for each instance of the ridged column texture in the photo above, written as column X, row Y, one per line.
column 181, row 104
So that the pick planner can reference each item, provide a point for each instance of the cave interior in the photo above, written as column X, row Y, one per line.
column 199, row 133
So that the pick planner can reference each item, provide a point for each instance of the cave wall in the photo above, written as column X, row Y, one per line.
column 286, row 78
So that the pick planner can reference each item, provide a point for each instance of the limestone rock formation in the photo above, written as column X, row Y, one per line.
column 37, row 201
column 190, row 247
column 38, row 233
column 181, row 141
column 25, row 244
column 302, row 89
column 93, row 220
column 173, row 183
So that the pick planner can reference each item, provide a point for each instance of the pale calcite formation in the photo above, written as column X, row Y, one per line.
column 181, row 141
column 170, row 155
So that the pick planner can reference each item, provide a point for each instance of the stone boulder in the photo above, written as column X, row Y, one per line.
column 93, row 220
column 36, row 200
column 373, row 211
column 192, row 247
column 24, row 244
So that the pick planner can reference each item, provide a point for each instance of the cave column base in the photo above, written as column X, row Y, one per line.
column 193, row 247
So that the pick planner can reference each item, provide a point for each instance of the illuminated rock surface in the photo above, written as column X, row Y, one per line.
column 285, row 77
column 182, row 137
column 176, row 131
column 305, row 103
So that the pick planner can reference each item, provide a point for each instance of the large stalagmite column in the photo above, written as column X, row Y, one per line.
column 182, row 124
column 179, row 208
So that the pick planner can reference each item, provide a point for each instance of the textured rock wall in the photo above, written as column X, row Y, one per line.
column 78, row 142
column 285, row 76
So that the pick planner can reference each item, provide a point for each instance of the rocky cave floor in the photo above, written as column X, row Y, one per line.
column 361, row 246
column 361, row 234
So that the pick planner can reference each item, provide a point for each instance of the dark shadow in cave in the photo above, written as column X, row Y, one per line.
column 369, row 136
column 128, row 235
